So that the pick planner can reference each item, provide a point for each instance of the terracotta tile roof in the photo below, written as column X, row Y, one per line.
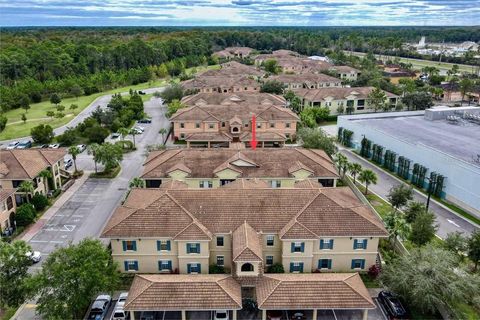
column 27, row 164
column 5, row 193
column 295, row 230
column 344, row 69
column 246, row 184
column 264, row 136
column 299, row 166
column 194, row 231
column 246, row 244
column 227, row 112
column 184, row 292
column 219, row 81
column 337, row 93
column 180, row 166
column 209, row 136
column 233, row 98
column 313, row 291
column 167, row 212
column 272, row 163
column 305, row 78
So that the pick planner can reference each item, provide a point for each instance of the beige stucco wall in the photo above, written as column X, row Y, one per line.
column 5, row 213
column 341, row 254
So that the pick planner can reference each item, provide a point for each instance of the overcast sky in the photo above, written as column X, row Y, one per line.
column 238, row 12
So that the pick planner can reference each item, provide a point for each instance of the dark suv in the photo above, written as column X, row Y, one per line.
column 392, row 305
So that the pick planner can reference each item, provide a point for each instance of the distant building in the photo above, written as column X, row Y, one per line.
column 224, row 124
column 234, row 98
column 345, row 72
column 442, row 140
column 352, row 100
column 233, row 52
column 306, row 81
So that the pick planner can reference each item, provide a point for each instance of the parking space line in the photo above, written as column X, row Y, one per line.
column 334, row 314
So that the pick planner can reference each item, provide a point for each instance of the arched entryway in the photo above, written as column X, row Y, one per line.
column 247, row 267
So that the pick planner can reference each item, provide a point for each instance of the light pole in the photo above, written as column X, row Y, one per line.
column 429, row 192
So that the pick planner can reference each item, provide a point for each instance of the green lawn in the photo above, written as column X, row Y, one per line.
column 37, row 114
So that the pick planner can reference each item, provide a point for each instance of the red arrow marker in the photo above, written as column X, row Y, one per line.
column 253, row 142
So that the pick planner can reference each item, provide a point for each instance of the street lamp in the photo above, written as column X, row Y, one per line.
column 429, row 192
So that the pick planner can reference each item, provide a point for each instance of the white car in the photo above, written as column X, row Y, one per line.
column 12, row 145
column 81, row 147
column 139, row 128
column 34, row 256
column 221, row 315
column 54, row 146
column 118, row 312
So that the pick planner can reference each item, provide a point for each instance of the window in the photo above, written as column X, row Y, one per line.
column 361, row 102
column 270, row 241
column 287, row 124
column 298, row 246
column 220, row 261
column 211, row 126
column 272, row 125
column 350, row 103
column 182, row 135
column 197, row 125
column 246, row 125
column 206, row 184
column 275, row 183
column 287, row 135
column 326, row 244
column 325, row 264
column 182, row 125
column 247, row 267
column 220, row 241
column 259, row 125
column 296, row 267
column 358, row 263
column 131, row 265
column 9, row 203
column 193, row 247
column 164, row 245
column 194, row 268
column 129, row 245
column 268, row 260
column 223, row 124
column 359, row 244
column 165, row 265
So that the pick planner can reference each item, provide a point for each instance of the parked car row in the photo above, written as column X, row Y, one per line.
column 25, row 144
column 101, row 305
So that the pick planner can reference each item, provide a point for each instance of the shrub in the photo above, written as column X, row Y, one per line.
column 39, row 201
column 25, row 215
column 214, row 269
column 276, row 268
column 3, row 122
column 374, row 271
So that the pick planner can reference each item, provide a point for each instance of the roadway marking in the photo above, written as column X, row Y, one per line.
column 66, row 228
column 452, row 222
column 45, row 241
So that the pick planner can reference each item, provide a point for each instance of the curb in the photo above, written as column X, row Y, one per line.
column 414, row 190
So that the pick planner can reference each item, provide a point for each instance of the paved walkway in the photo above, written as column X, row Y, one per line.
column 448, row 220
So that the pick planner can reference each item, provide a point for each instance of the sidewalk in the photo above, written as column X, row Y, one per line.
column 448, row 220
column 32, row 230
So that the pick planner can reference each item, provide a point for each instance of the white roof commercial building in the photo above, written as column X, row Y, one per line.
column 444, row 141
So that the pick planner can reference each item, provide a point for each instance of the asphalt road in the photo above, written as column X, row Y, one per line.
column 99, row 102
column 447, row 221
column 88, row 210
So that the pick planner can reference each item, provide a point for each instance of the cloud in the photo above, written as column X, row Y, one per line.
column 239, row 12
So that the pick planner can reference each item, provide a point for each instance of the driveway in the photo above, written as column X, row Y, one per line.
column 87, row 211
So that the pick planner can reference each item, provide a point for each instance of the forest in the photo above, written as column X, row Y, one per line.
column 38, row 62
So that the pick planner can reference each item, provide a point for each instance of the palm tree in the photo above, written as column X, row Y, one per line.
column 342, row 163
column 368, row 177
column 354, row 168
column 45, row 174
column 137, row 183
column 163, row 132
column 93, row 149
column 27, row 188
column 123, row 132
column 74, row 151
column 133, row 132
column 397, row 226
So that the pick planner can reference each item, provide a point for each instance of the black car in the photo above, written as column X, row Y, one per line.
column 392, row 305
column 141, row 92
column 145, row 121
